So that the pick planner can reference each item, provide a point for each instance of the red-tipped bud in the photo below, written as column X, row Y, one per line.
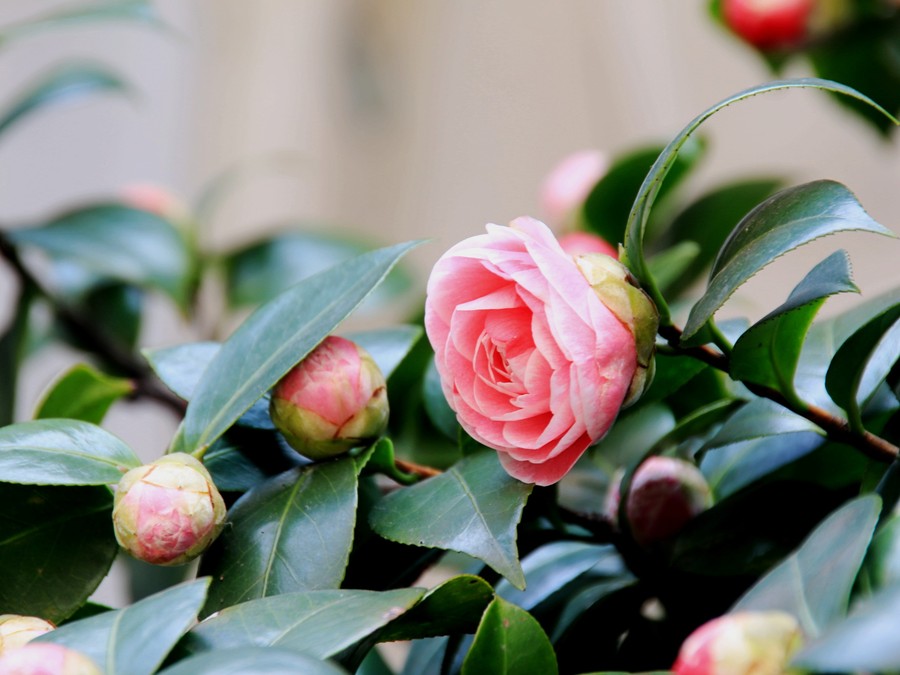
column 769, row 24
column 666, row 493
column 744, row 643
column 46, row 659
column 17, row 630
column 332, row 401
column 169, row 511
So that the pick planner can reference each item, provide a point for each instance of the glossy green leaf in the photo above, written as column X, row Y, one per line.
column 650, row 188
column 83, row 393
column 62, row 452
column 317, row 623
column 388, row 346
column 814, row 582
column 672, row 264
column 136, row 639
column 509, row 641
column 672, row 373
column 118, row 242
column 181, row 367
column 473, row 507
column 56, row 546
column 767, row 354
column 435, row 403
column 292, row 533
column 138, row 11
column 69, row 82
column 256, row 660
column 589, row 599
column 246, row 456
column 274, row 338
column 869, row 354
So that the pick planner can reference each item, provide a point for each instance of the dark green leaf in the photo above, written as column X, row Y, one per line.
column 787, row 220
column 882, row 564
column 274, row 338
column 587, row 598
column 245, row 457
column 509, row 641
column 118, row 242
column 181, row 367
column 135, row 640
column 388, row 346
column 62, row 452
column 256, row 660
column 138, row 11
column 292, row 533
column 672, row 373
column 435, row 403
column 83, row 393
column 316, row 623
column 63, row 84
column 814, row 582
column 56, row 546
column 12, row 351
column 863, row 362
column 473, row 508
column 768, row 353
column 671, row 265
column 631, row 437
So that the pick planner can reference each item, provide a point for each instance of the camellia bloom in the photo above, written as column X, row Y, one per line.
column 533, row 362
column 769, row 24
column 46, row 659
column 169, row 511
column 568, row 185
column 743, row 643
column 333, row 400
column 17, row 630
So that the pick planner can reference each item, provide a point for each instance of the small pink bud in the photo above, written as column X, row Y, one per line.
column 169, row 511
column 568, row 185
column 155, row 199
column 744, row 643
column 17, row 630
column 579, row 243
column 666, row 493
column 46, row 659
column 332, row 401
column 769, row 24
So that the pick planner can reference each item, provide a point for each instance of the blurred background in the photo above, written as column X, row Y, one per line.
column 394, row 120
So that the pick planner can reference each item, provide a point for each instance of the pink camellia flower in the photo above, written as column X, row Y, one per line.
column 169, row 511
column 743, row 643
column 46, row 659
column 17, row 630
column 579, row 243
column 333, row 400
column 769, row 24
column 534, row 363
column 568, row 185
column 155, row 199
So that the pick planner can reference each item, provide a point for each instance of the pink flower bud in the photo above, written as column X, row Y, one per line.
column 16, row 630
column 155, row 199
column 568, row 185
column 744, row 643
column 666, row 493
column 579, row 243
column 332, row 401
column 46, row 659
column 169, row 511
column 769, row 24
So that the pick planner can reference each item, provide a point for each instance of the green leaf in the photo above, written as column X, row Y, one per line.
column 435, row 403
column 388, row 346
column 181, row 367
column 767, row 354
column 83, row 393
column 256, row 660
column 814, row 582
column 274, row 338
column 708, row 222
column 56, row 546
column 316, row 623
column 863, row 362
column 787, row 220
column 882, row 564
column 118, row 242
column 473, row 508
column 650, row 188
column 12, row 351
column 62, row 452
column 671, row 264
column 631, row 437
column 136, row 639
column 138, row 11
column 246, row 456
column 67, row 83
column 509, row 641
column 292, row 533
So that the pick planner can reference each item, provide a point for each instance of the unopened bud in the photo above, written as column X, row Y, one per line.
column 569, row 184
column 743, row 643
column 17, row 630
column 769, row 24
column 169, row 511
column 332, row 401
column 157, row 200
column 618, row 290
column 39, row 658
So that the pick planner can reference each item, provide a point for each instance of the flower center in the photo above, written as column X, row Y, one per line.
column 497, row 371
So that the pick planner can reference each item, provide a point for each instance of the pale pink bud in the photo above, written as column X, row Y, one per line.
column 169, row 511
column 568, row 185
column 155, row 199
column 332, row 401
column 744, row 643
column 769, row 24
column 579, row 243
column 17, row 630
column 666, row 493
column 46, row 659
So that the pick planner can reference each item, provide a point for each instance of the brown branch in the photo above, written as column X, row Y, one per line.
column 419, row 470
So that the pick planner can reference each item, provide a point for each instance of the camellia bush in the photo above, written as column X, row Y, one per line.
column 565, row 463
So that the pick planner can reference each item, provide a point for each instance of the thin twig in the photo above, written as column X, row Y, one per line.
column 419, row 470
